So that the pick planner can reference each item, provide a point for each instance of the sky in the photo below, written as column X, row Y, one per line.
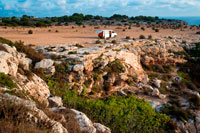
column 48, row 8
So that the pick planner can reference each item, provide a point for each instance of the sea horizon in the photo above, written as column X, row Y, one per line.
column 191, row 20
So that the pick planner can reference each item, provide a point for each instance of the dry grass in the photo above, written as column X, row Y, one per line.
column 13, row 119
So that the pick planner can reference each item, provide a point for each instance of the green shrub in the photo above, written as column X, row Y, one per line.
column 98, row 42
column 30, row 32
column 142, row 28
column 121, row 114
column 114, row 42
column 128, row 37
column 198, row 32
column 6, row 81
column 79, row 45
column 72, row 52
column 150, row 37
column 115, row 66
column 31, row 53
column 5, row 41
column 156, row 30
column 96, row 76
column 142, row 37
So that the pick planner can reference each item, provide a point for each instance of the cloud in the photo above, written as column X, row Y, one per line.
column 99, row 7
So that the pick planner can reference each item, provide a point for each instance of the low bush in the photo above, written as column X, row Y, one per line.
column 30, row 32
column 121, row 114
column 98, row 42
column 5, row 41
column 6, row 81
column 31, row 53
column 156, row 30
column 142, row 37
column 128, row 37
column 13, row 120
column 150, row 37
column 115, row 66
column 142, row 28
column 72, row 52
column 114, row 42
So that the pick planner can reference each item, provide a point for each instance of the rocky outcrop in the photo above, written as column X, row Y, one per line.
column 78, row 122
column 37, row 97
column 17, row 66
column 39, row 117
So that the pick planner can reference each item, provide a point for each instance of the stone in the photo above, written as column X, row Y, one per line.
column 78, row 68
column 55, row 101
column 45, row 63
column 35, row 87
column 8, row 63
column 156, row 92
column 101, row 128
column 157, row 83
column 161, row 96
column 51, row 70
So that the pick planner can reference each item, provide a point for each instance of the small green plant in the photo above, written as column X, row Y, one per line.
column 6, row 81
column 96, row 76
column 142, row 28
column 79, row 45
column 116, row 66
column 30, row 32
column 117, row 50
column 72, row 52
column 142, row 37
column 149, row 37
column 128, row 37
column 86, row 53
column 114, row 42
column 157, row 30
column 98, row 42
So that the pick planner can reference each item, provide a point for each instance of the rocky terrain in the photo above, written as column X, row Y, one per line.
column 24, row 88
column 161, row 71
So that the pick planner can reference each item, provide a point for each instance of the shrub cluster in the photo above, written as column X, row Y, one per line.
column 121, row 114
column 6, row 81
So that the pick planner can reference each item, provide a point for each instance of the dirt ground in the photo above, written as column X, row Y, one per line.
column 78, row 34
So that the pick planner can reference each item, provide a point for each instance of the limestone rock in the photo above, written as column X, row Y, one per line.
column 55, row 101
column 34, row 87
column 45, row 63
column 156, row 92
column 38, row 114
column 78, row 68
column 157, row 83
column 8, row 63
column 101, row 128
column 78, row 122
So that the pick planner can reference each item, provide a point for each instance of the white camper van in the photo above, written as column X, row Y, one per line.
column 106, row 34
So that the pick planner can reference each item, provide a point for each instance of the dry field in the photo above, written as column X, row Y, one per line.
column 87, row 35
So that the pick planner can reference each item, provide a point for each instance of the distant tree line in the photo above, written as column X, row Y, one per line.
column 78, row 18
